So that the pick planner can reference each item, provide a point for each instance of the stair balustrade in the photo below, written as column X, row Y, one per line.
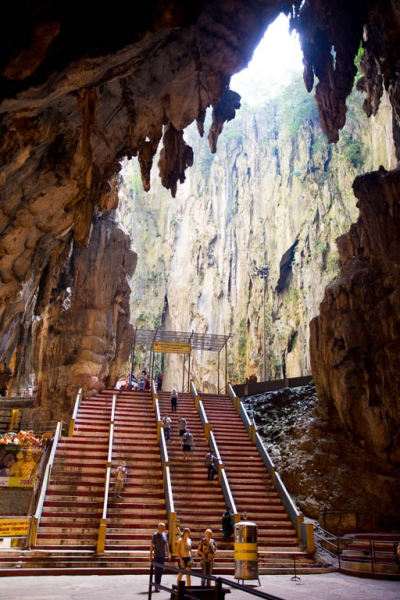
column 305, row 532
column 78, row 400
column 101, row 540
column 173, row 521
column 34, row 523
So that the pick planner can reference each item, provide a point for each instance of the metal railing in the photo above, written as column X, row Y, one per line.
column 13, row 419
column 173, row 521
column 78, row 400
column 376, row 553
column 305, row 532
column 34, row 523
column 101, row 538
column 183, row 592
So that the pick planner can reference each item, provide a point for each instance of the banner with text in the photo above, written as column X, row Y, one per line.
column 14, row 527
column 172, row 347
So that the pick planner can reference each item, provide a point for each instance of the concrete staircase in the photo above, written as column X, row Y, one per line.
column 370, row 554
column 132, row 520
column 199, row 503
column 73, row 507
column 253, row 491
column 74, row 499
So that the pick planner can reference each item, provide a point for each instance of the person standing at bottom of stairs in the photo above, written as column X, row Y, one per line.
column 207, row 550
column 184, row 549
column 159, row 547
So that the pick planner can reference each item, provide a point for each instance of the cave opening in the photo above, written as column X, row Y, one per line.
column 204, row 240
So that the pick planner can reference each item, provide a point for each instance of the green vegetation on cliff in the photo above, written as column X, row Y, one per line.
column 274, row 193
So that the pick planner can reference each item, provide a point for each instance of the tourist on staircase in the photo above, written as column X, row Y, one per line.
column 182, row 426
column 207, row 550
column 210, row 464
column 184, row 548
column 227, row 523
column 187, row 444
column 174, row 399
column 167, row 427
column 159, row 547
column 120, row 478
column 160, row 378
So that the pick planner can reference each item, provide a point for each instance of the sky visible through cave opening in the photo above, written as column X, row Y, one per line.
column 275, row 61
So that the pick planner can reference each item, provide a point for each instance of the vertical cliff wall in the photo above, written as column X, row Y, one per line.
column 357, row 372
column 77, row 332
column 274, row 193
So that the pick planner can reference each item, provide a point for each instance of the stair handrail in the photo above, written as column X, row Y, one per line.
column 238, row 405
column 173, row 523
column 193, row 390
column 101, row 538
column 328, row 542
column 304, row 531
column 266, row 458
column 78, row 400
column 208, row 432
column 228, row 494
column 34, row 523
column 203, row 418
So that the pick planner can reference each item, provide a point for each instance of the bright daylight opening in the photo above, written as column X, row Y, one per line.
column 276, row 60
column 247, row 246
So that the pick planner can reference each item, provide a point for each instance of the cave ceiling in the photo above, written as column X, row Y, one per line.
column 83, row 85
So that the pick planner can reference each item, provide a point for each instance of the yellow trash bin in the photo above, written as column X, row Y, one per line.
column 246, row 551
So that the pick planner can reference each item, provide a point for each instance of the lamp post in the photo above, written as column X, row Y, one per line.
column 263, row 273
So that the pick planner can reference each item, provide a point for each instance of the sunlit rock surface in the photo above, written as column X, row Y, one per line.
column 274, row 192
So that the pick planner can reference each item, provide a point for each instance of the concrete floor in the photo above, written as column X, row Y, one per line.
column 330, row 586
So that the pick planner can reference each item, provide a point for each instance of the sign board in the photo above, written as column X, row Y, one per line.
column 172, row 347
column 16, row 482
column 14, row 527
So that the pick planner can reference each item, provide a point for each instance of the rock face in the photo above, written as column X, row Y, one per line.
column 358, row 367
column 83, row 333
column 331, row 478
column 275, row 192
column 81, row 90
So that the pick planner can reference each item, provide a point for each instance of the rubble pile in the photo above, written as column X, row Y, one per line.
column 323, row 470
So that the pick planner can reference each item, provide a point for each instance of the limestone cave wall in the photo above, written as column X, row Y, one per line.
column 275, row 192
column 355, row 338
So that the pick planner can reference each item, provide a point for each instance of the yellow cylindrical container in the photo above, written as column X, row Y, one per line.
column 246, row 550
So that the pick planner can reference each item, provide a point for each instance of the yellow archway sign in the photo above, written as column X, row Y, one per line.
column 171, row 347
